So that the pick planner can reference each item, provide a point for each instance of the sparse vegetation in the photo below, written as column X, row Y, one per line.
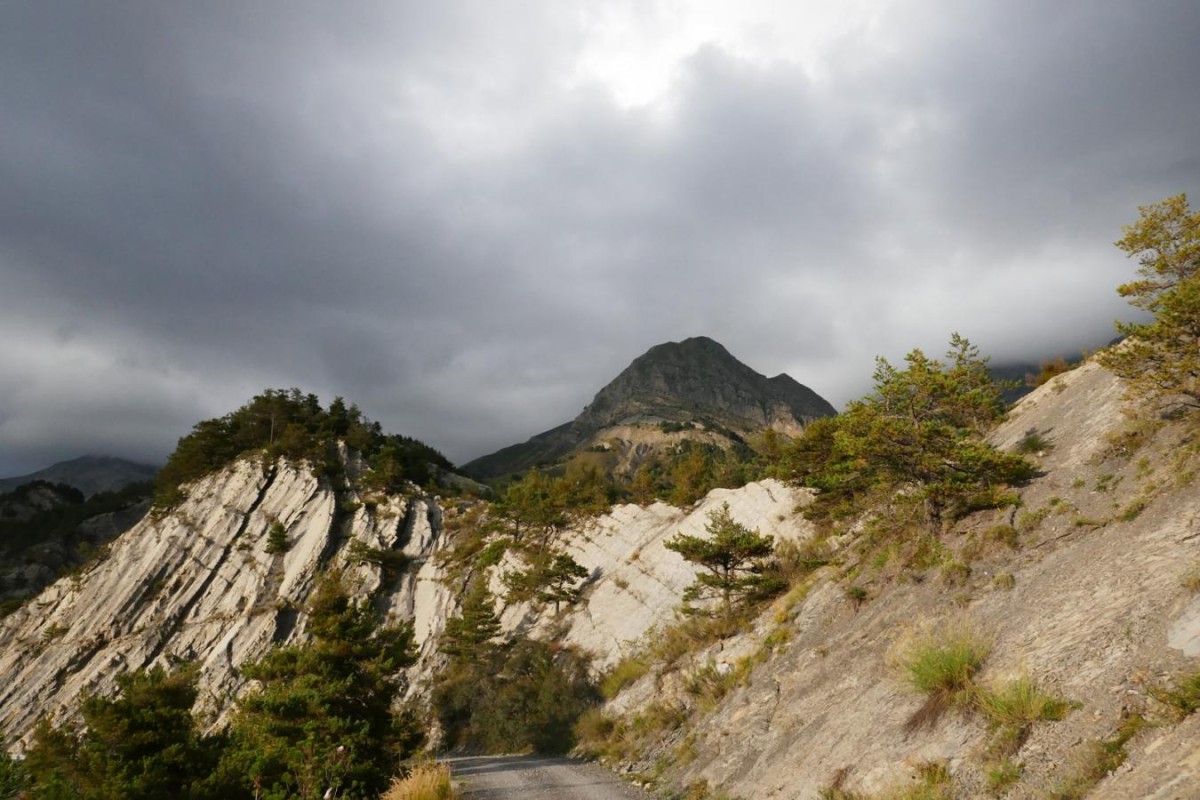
column 624, row 674
column 1002, row 774
column 1033, row 442
column 1134, row 508
column 1004, row 581
column 1182, row 696
column 932, row 782
column 1190, row 580
column 941, row 663
column 1098, row 759
column 711, row 682
column 944, row 661
column 611, row 739
column 1013, row 706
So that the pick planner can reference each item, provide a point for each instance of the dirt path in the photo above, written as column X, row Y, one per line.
column 515, row 777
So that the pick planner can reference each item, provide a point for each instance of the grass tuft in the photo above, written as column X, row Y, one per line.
column 624, row 674
column 941, row 663
column 426, row 781
column 944, row 659
column 1020, row 703
column 1183, row 698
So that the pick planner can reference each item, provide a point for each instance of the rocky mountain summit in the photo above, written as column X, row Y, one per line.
column 695, row 385
column 684, row 381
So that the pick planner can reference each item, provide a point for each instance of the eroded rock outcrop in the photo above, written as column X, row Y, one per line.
column 204, row 583
column 634, row 582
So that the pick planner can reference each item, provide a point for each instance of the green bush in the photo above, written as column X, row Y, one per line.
column 277, row 539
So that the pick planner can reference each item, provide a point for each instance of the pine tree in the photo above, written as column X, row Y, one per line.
column 143, row 743
column 732, row 558
column 1160, row 360
column 469, row 636
column 922, row 429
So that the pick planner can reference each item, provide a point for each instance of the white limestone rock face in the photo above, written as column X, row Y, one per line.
column 198, row 584
column 635, row 583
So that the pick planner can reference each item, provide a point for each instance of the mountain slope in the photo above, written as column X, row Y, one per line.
column 88, row 474
column 695, row 383
column 1084, row 588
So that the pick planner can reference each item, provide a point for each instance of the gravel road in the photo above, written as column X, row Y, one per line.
column 515, row 777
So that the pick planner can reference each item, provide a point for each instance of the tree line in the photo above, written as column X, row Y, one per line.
column 290, row 424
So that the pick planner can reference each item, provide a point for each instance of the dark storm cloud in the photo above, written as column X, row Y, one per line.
column 421, row 208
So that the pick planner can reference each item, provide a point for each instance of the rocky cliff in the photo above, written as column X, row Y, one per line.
column 695, row 384
column 202, row 583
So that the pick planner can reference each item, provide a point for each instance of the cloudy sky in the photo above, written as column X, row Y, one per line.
column 469, row 216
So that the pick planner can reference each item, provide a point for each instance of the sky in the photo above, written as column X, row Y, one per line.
column 467, row 217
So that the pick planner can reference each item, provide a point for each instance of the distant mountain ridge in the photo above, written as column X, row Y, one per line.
column 88, row 474
column 693, row 382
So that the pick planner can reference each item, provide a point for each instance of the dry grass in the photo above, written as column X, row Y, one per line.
column 426, row 781
column 1020, row 703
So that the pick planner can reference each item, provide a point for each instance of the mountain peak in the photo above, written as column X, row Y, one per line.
column 696, row 380
column 698, row 377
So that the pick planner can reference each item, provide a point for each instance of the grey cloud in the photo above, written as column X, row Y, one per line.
column 408, row 205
